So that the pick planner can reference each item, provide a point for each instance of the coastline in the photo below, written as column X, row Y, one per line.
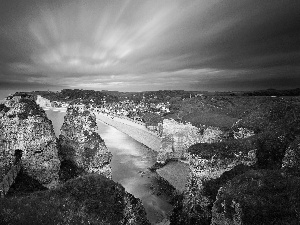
column 140, row 135
column 62, row 109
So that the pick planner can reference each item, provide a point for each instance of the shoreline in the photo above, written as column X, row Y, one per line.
column 148, row 139
column 62, row 109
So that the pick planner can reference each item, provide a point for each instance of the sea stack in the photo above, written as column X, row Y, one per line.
column 81, row 144
column 25, row 126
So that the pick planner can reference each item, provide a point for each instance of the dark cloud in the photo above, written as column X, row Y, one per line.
column 144, row 45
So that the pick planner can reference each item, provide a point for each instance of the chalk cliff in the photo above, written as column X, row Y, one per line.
column 208, row 164
column 254, row 173
column 81, row 144
column 178, row 137
column 25, row 126
column 43, row 102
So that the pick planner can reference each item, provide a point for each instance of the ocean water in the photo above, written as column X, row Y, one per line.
column 129, row 166
column 57, row 119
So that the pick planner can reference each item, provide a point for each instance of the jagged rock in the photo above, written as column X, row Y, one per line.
column 291, row 160
column 26, row 127
column 258, row 197
column 265, row 136
column 208, row 162
column 81, row 144
column 178, row 137
column 91, row 199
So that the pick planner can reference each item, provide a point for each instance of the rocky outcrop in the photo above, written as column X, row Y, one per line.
column 291, row 160
column 208, row 162
column 43, row 102
column 266, row 138
column 91, row 199
column 258, row 197
column 178, row 137
column 25, row 127
column 81, row 144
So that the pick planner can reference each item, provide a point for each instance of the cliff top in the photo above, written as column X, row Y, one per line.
column 22, row 107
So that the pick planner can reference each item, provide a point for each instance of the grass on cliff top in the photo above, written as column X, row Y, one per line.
column 91, row 199
column 224, row 149
column 257, row 113
column 199, row 118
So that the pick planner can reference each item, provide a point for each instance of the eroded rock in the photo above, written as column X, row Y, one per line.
column 81, row 144
column 258, row 197
column 25, row 127
column 208, row 164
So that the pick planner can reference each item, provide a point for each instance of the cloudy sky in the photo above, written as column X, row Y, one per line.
column 135, row 45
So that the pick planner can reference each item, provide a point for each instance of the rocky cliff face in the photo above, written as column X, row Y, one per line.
column 253, row 173
column 43, row 102
column 178, row 137
column 81, row 144
column 258, row 197
column 26, row 127
column 207, row 164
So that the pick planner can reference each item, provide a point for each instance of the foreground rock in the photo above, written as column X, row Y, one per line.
column 25, row 126
column 91, row 199
column 81, row 144
column 258, row 197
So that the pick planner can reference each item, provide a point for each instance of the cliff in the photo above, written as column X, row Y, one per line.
column 265, row 138
column 25, row 126
column 43, row 102
column 208, row 162
column 91, row 199
column 258, row 197
column 178, row 137
column 81, row 144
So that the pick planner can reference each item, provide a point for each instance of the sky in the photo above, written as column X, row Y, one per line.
column 138, row 45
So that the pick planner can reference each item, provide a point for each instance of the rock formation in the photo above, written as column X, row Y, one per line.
column 208, row 162
column 81, row 144
column 25, row 127
column 43, row 102
column 291, row 160
column 258, row 197
column 265, row 142
column 90, row 199
column 178, row 137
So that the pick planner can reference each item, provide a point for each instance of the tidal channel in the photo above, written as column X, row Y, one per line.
column 129, row 167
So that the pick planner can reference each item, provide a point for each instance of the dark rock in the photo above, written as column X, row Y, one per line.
column 91, row 199
column 24, row 185
column 291, row 160
column 194, row 206
column 258, row 197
